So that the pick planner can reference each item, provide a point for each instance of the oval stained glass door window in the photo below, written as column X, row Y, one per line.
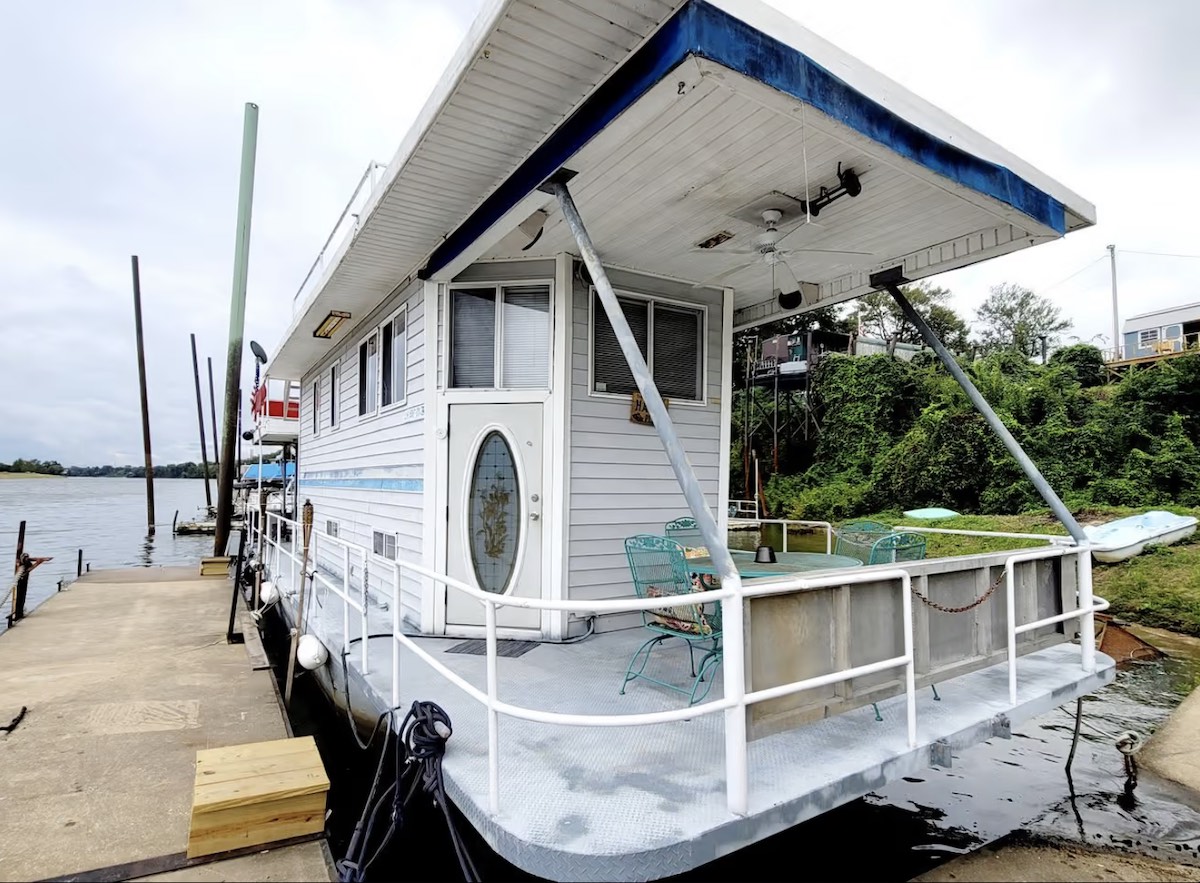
column 493, row 514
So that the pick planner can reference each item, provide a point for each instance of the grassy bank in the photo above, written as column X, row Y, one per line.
column 4, row 475
column 1160, row 587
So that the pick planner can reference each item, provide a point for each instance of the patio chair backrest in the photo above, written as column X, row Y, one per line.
column 686, row 532
column 659, row 568
column 898, row 547
column 855, row 539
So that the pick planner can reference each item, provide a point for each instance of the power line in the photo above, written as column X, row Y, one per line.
column 1159, row 254
column 1076, row 273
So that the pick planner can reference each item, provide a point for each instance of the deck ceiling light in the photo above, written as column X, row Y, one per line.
column 331, row 323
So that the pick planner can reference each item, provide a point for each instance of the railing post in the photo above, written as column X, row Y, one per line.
column 493, row 715
column 1087, row 622
column 292, row 564
column 397, row 575
column 828, row 539
column 910, row 673
column 345, row 598
column 733, row 664
column 1011, row 619
column 366, row 576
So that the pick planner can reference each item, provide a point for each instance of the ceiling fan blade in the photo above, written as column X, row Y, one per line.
column 712, row 280
column 796, row 228
column 866, row 254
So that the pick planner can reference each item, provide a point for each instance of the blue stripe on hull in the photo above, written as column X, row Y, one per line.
column 407, row 485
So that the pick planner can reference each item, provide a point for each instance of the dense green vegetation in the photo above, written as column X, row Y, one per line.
column 898, row 435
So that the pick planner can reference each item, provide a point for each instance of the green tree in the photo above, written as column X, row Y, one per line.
column 1014, row 317
column 878, row 316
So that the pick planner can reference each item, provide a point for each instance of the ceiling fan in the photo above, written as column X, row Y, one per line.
column 766, row 249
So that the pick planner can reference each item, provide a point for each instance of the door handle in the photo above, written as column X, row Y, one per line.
column 534, row 516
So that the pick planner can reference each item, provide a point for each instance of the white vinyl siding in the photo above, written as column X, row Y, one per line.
column 394, row 440
column 621, row 481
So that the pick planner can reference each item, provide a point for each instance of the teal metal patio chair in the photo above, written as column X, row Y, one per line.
column 659, row 569
column 686, row 532
column 897, row 547
column 857, row 538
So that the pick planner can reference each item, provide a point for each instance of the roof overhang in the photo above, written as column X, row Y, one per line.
column 714, row 112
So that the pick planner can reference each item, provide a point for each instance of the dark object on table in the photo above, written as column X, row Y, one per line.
column 764, row 555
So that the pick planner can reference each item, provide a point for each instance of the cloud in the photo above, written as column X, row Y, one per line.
column 129, row 122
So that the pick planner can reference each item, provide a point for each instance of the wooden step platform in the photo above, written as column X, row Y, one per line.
column 256, row 794
column 218, row 566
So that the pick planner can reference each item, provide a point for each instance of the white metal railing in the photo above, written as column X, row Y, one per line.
column 347, row 224
column 1087, row 608
column 730, row 595
column 747, row 509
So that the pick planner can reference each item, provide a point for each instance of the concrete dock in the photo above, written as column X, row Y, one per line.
column 125, row 675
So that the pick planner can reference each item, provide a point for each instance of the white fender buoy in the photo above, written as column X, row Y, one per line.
column 311, row 653
column 267, row 593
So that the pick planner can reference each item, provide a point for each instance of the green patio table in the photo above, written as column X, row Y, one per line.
column 785, row 563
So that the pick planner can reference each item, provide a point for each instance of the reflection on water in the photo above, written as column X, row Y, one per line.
column 772, row 535
column 105, row 517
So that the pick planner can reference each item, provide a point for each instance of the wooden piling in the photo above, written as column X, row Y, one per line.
column 200, row 417
column 79, row 564
column 16, row 599
column 141, row 361
column 212, row 411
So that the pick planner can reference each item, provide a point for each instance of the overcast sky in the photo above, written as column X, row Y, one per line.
column 122, row 130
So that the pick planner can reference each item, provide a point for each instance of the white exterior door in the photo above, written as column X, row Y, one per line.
column 496, row 500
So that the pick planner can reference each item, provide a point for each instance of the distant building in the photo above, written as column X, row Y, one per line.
column 1161, row 333
column 789, row 357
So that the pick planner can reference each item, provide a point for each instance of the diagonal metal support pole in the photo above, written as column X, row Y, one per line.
column 733, row 662
column 1027, row 465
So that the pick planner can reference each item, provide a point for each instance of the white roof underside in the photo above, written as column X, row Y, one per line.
column 693, row 156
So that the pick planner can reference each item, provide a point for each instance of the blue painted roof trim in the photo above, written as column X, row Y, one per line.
column 703, row 30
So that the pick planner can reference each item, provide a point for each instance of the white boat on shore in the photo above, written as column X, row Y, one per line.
column 1126, row 537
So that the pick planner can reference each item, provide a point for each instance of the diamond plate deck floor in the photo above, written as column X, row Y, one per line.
column 639, row 803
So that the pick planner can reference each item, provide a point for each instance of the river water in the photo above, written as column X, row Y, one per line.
column 105, row 517
column 991, row 790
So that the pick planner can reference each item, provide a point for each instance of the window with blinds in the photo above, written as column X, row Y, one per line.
column 500, row 337
column 395, row 360
column 671, row 339
column 334, row 395
column 316, row 407
column 368, row 375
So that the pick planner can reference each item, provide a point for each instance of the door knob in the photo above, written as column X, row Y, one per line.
column 534, row 516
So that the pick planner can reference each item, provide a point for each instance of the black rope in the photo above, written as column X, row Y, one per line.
column 12, row 725
column 419, row 746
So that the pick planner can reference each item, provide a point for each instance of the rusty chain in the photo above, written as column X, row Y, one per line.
column 944, row 609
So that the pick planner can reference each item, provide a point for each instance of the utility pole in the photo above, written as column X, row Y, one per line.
column 200, row 418
column 141, row 362
column 1112, row 260
column 237, row 322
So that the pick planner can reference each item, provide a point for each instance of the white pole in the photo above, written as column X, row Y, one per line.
column 493, row 715
column 1117, row 342
column 1011, row 612
column 1087, row 622
column 397, row 575
column 910, row 673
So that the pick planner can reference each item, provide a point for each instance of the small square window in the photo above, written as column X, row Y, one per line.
column 500, row 337
column 670, row 338
column 331, row 528
column 1147, row 338
column 384, row 545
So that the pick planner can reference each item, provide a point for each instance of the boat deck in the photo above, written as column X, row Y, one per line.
column 592, row 803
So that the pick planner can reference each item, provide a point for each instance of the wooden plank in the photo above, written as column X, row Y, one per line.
column 245, row 791
column 254, row 767
column 230, row 753
column 256, row 825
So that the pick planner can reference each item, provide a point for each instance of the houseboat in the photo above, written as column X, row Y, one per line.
column 515, row 364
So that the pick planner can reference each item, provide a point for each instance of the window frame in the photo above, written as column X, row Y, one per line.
column 1145, row 342
column 497, row 288
column 398, row 403
column 335, row 376
column 332, row 528
column 316, row 406
column 372, row 411
column 650, row 299
column 383, row 536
